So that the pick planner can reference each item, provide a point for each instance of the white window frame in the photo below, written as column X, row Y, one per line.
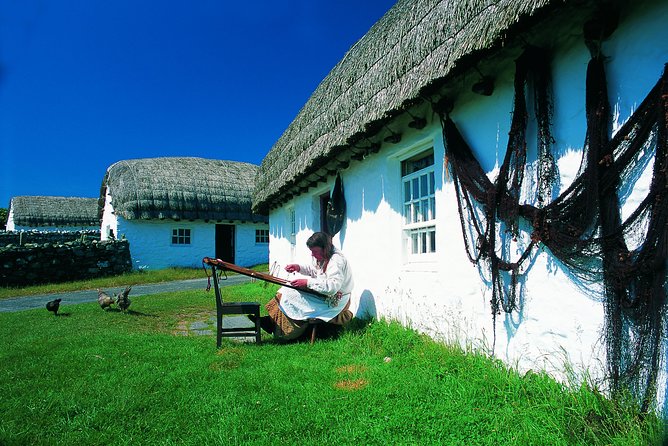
column 186, row 236
column 261, row 236
column 418, row 207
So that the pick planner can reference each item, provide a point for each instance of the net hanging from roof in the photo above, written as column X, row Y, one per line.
column 583, row 226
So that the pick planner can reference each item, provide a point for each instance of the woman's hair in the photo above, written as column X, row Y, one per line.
column 321, row 240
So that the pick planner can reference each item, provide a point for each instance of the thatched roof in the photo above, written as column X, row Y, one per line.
column 181, row 188
column 412, row 52
column 38, row 211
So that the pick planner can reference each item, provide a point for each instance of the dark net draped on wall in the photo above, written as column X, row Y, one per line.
column 583, row 226
column 336, row 207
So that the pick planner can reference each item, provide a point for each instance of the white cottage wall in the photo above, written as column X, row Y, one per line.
column 10, row 226
column 151, row 243
column 109, row 223
column 248, row 251
column 558, row 325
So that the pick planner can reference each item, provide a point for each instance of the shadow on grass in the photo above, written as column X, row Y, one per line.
column 326, row 332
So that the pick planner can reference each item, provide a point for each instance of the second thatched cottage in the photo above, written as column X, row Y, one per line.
column 46, row 213
column 504, row 170
column 175, row 211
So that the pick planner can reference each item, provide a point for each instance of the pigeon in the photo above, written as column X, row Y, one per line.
column 53, row 306
column 104, row 299
column 122, row 299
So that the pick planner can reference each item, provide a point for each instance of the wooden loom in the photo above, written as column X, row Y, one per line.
column 227, row 266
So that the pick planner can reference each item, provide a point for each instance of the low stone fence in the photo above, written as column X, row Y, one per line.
column 32, row 264
column 21, row 238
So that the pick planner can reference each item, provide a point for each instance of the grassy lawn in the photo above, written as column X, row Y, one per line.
column 104, row 377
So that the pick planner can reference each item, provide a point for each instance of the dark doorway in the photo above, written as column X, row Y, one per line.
column 324, row 200
column 225, row 243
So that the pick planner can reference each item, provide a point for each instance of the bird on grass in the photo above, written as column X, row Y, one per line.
column 53, row 305
column 104, row 299
column 122, row 299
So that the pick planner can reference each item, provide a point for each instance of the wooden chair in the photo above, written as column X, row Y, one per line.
column 313, row 326
column 343, row 318
column 229, row 308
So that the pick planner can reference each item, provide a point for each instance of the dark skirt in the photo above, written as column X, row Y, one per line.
column 289, row 329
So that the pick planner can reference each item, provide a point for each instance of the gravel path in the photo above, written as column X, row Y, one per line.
column 76, row 297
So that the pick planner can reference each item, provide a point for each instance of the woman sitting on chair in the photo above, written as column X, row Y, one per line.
column 330, row 275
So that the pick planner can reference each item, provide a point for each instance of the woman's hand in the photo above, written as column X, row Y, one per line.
column 293, row 267
column 299, row 283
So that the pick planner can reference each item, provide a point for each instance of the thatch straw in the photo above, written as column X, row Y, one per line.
column 41, row 211
column 181, row 188
column 417, row 44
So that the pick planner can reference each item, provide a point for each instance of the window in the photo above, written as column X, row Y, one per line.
column 262, row 236
column 419, row 203
column 180, row 236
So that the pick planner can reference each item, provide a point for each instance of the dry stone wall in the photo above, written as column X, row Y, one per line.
column 53, row 262
column 21, row 238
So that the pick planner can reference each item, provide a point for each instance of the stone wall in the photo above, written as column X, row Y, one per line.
column 32, row 264
column 21, row 238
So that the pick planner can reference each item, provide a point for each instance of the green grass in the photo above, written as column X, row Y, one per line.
column 104, row 377
column 131, row 278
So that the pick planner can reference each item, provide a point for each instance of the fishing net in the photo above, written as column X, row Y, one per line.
column 582, row 226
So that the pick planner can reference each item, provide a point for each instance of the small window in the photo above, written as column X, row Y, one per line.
column 180, row 236
column 262, row 236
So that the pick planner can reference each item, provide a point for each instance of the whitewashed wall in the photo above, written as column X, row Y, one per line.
column 109, row 223
column 10, row 226
column 151, row 243
column 249, row 253
column 560, row 318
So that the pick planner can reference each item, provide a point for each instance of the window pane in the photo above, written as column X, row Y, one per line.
column 423, row 186
column 407, row 191
column 414, row 238
column 180, row 236
column 407, row 214
column 261, row 236
column 425, row 210
column 423, row 242
column 432, row 202
column 416, row 212
column 432, row 182
column 416, row 188
column 432, row 241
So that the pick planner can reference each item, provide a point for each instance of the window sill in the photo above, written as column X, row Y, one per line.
column 422, row 263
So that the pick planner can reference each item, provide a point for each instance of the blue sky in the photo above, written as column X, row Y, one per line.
column 86, row 83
